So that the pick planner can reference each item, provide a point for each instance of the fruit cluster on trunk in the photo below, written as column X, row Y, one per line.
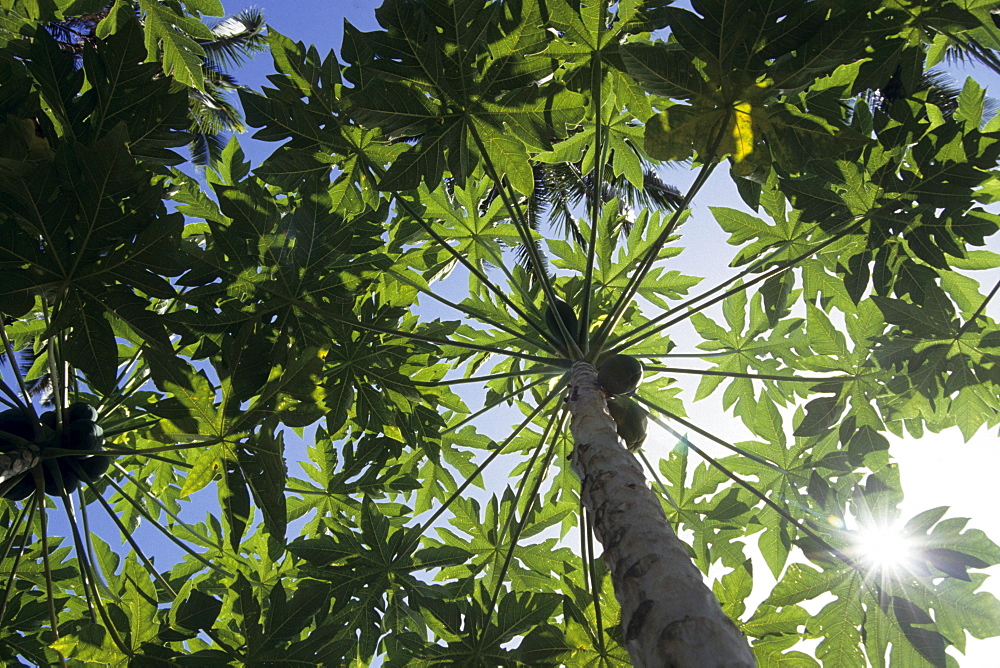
column 619, row 377
column 80, row 432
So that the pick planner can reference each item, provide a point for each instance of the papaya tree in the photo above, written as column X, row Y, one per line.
column 411, row 402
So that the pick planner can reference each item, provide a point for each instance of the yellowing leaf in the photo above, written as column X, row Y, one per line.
column 742, row 131
column 206, row 466
column 91, row 643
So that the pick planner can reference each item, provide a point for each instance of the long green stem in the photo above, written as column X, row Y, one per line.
column 126, row 368
column 156, row 574
column 8, row 543
column 146, row 452
column 10, row 482
column 753, row 376
column 466, row 310
column 597, row 181
column 982, row 306
column 149, row 518
column 486, row 462
column 138, row 550
column 632, row 338
column 755, row 492
column 513, row 211
column 9, row 588
column 46, row 565
column 413, row 336
column 724, row 353
column 586, row 555
column 524, row 231
column 497, row 402
column 14, row 401
column 208, row 442
column 52, row 354
column 726, row 444
column 86, row 572
column 305, row 306
column 984, row 56
column 108, row 433
column 376, row 172
column 595, row 584
column 58, row 453
column 68, row 377
column 17, row 372
column 135, row 548
column 687, row 306
column 525, row 516
column 126, row 390
column 88, row 536
column 529, row 467
column 655, row 475
column 649, row 259
column 475, row 271
column 483, row 379
column 497, row 254
column 134, row 545
column 145, row 489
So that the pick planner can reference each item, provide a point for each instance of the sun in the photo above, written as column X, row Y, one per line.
column 885, row 548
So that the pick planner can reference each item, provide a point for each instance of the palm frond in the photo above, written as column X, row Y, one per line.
column 563, row 188
column 560, row 189
column 655, row 193
column 38, row 388
column 217, row 79
column 968, row 50
column 941, row 90
column 236, row 38
column 206, row 148
column 523, row 258
column 74, row 32
column 213, row 113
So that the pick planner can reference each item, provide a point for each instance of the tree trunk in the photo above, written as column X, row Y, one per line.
column 670, row 618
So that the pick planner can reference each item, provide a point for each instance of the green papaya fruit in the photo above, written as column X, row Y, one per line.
column 81, row 411
column 15, row 422
column 49, row 435
column 11, row 414
column 56, row 485
column 70, row 478
column 49, row 419
column 630, row 419
column 22, row 489
column 557, row 311
column 92, row 468
column 620, row 374
column 83, row 435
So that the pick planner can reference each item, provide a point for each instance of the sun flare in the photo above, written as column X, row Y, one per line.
column 885, row 548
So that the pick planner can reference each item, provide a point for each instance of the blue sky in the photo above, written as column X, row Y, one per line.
column 309, row 21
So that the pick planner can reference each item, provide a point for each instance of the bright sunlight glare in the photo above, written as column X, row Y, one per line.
column 885, row 548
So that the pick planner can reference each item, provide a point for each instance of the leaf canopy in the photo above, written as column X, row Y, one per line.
column 329, row 381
